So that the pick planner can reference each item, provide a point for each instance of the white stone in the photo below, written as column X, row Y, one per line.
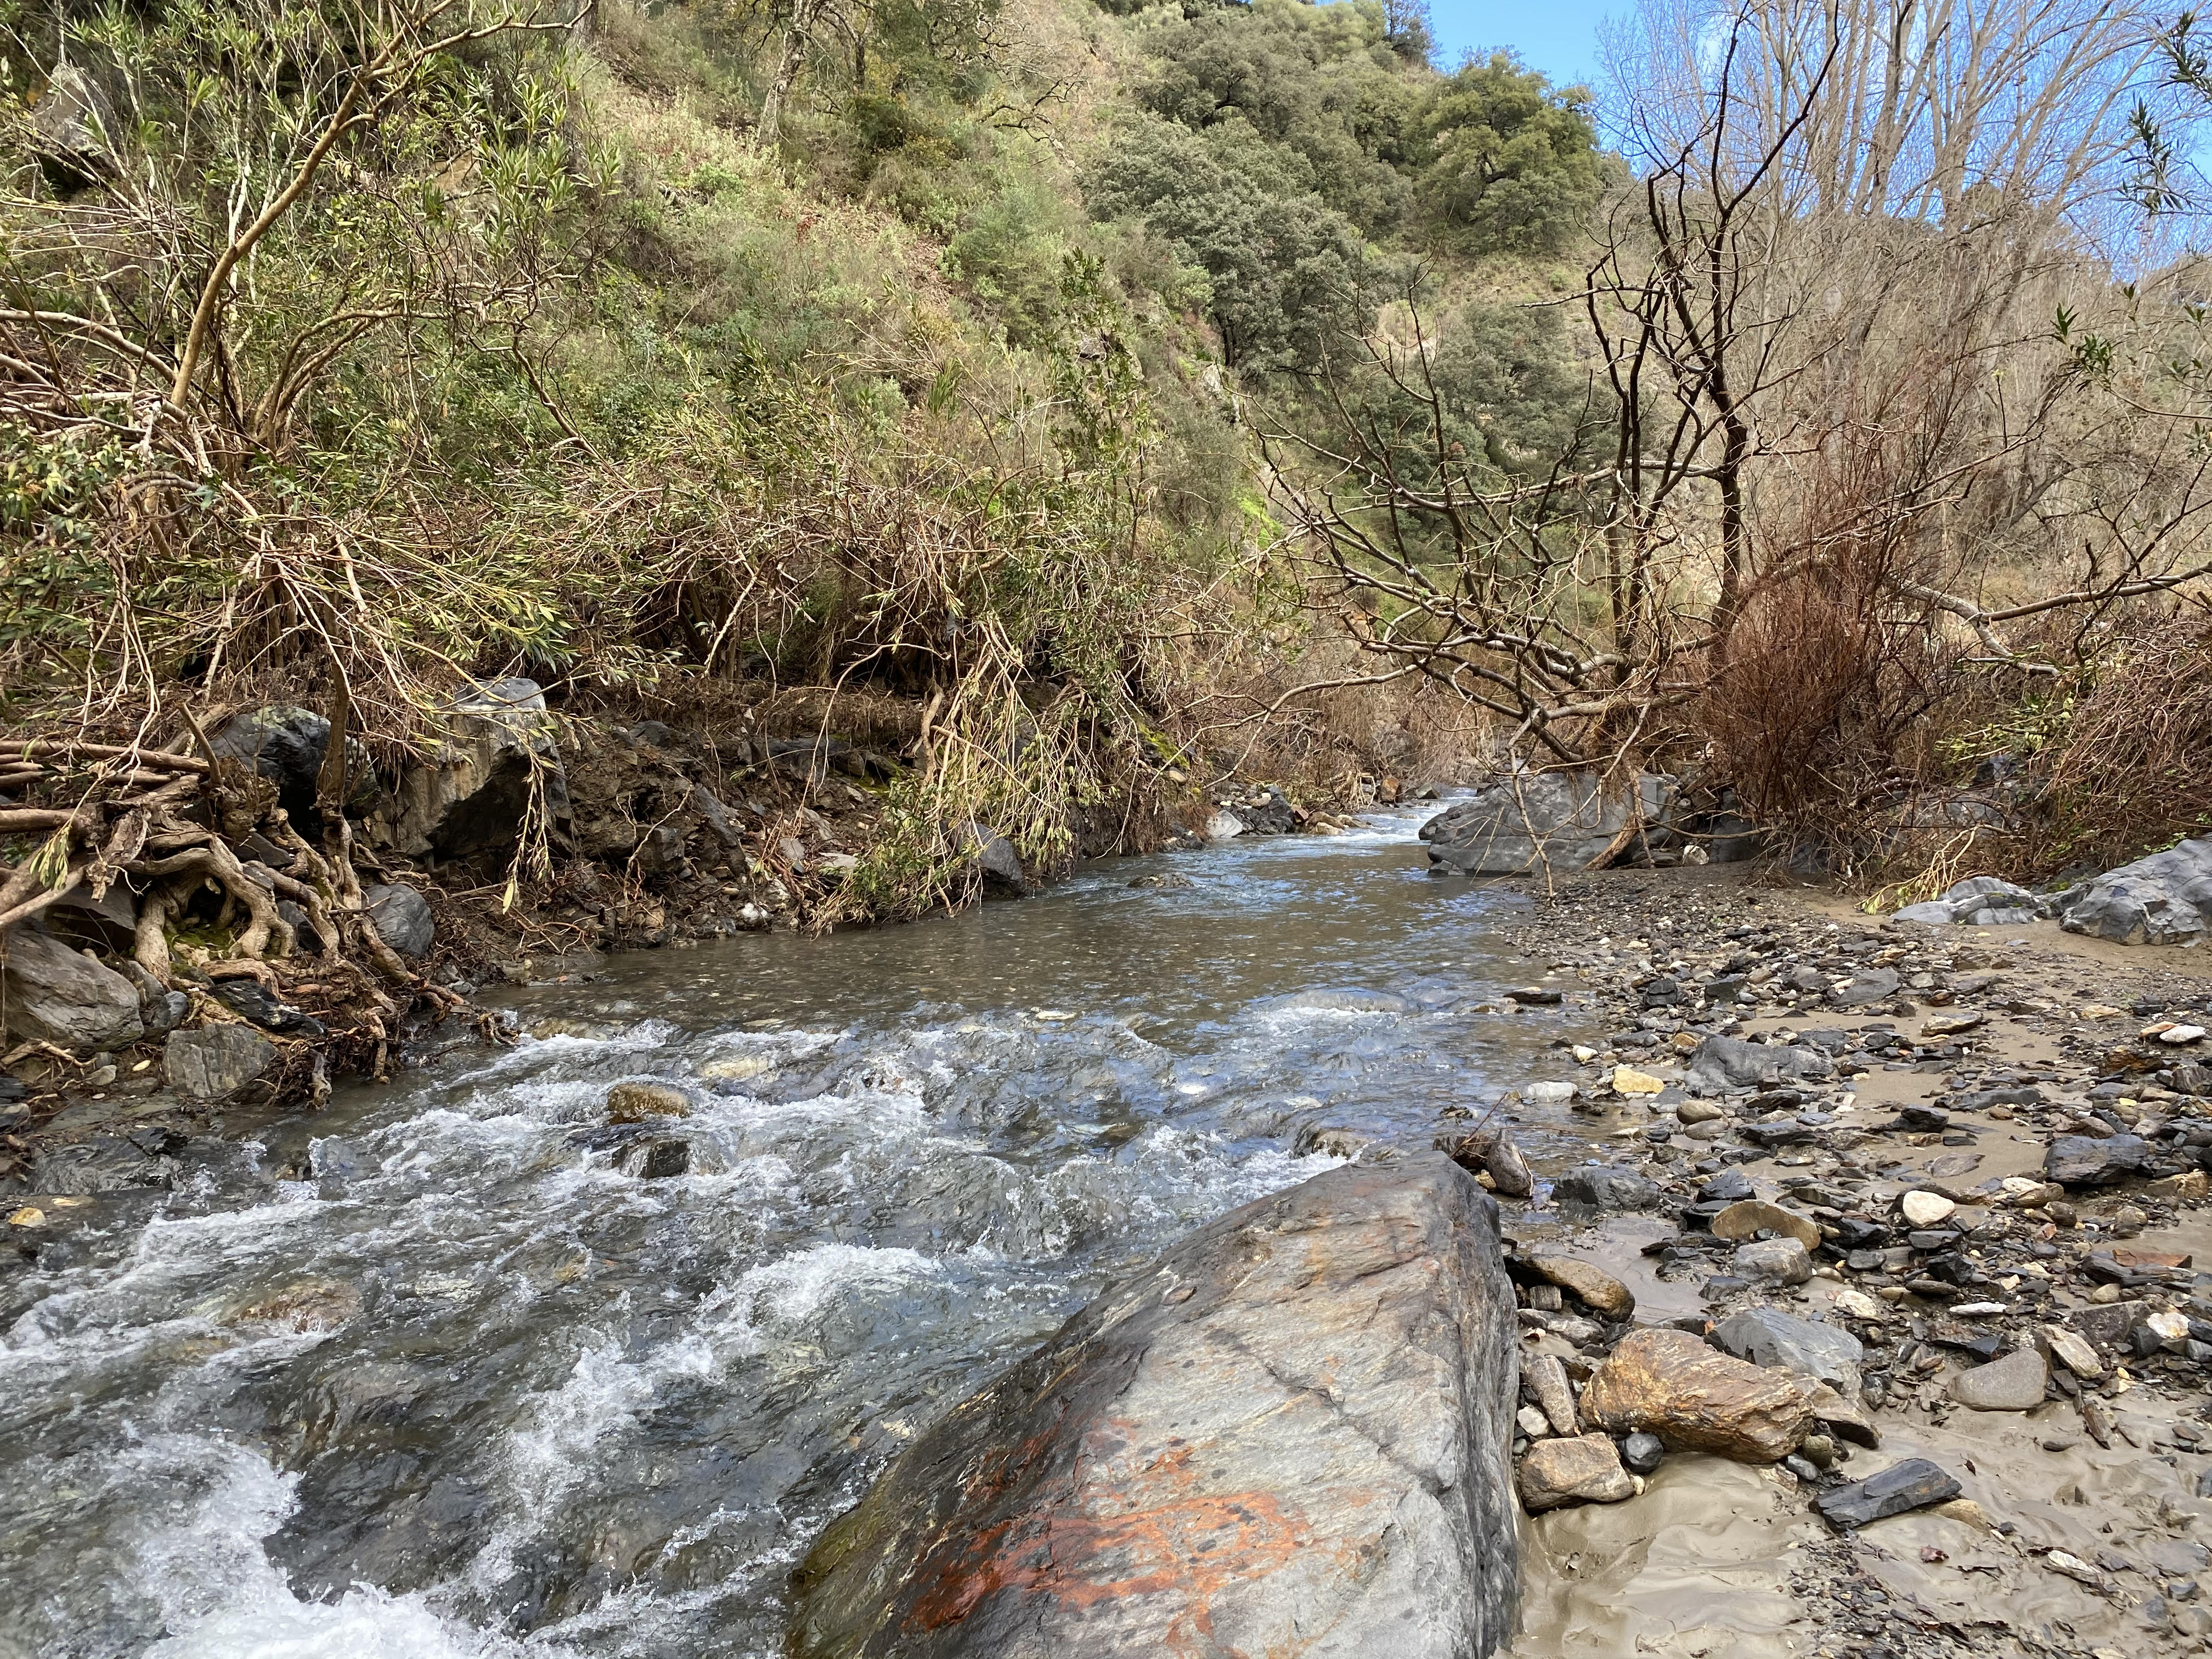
column 2180, row 1034
column 1926, row 1209
column 1223, row 825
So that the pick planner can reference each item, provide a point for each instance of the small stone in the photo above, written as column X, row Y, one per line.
column 1533, row 1424
column 1493, row 1152
column 1607, row 1189
column 1582, row 1470
column 1926, row 1209
column 1773, row 1261
column 2071, row 1350
column 1641, row 1453
column 1751, row 1217
column 1628, row 1081
column 2013, row 1383
column 1912, row 1484
column 1535, row 996
column 1950, row 1025
column 638, row 1103
column 2177, row 1035
column 1596, row 1288
column 401, row 919
column 1547, row 1378
column 1699, row 1111
column 1857, row 1305
column 1818, row 1450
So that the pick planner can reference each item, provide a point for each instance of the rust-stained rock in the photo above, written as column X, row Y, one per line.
column 1669, row 1383
column 1285, row 1437
column 1593, row 1286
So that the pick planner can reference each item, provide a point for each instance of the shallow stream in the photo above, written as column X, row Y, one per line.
column 430, row 1375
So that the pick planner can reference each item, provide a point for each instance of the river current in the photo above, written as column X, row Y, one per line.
column 431, row 1375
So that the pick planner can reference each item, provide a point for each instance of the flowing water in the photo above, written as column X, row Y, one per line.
column 432, row 1374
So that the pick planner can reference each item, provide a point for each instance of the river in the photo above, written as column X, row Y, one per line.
column 430, row 1375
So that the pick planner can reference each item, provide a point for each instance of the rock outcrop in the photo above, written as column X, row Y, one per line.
column 472, row 793
column 1286, row 1437
column 2164, row 899
column 1568, row 820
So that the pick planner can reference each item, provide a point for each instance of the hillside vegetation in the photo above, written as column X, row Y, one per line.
column 1131, row 395
column 354, row 351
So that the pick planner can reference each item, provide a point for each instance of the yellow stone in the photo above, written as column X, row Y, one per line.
column 1626, row 1081
column 29, row 1216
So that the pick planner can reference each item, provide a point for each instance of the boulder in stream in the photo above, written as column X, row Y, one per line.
column 1567, row 820
column 1287, row 1435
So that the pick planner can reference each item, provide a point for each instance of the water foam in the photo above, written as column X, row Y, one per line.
column 221, row 1598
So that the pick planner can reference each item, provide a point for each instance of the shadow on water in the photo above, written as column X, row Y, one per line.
column 469, row 1387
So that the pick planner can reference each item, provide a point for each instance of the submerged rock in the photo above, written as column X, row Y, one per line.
column 1671, row 1384
column 1288, row 1433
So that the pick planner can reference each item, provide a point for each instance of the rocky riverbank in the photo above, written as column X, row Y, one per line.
column 1877, row 1314
column 240, row 918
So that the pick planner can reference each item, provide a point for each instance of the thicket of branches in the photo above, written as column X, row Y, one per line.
column 1896, row 420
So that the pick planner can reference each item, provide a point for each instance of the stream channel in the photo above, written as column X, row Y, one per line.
column 428, row 1375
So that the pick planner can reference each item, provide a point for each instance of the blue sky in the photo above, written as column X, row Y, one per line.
column 1558, row 37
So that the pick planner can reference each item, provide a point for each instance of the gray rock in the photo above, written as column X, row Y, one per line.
column 52, row 994
column 1766, row 1336
column 286, row 746
column 996, row 862
column 1289, row 1432
column 1537, row 820
column 72, row 124
column 1606, row 1189
column 1912, row 1484
column 1868, row 985
column 2081, row 1161
column 470, row 796
column 160, row 1010
column 401, row 919
column 659, row 1159
column 2013, row 1383
column 1772, row 1262
column 213, row 1062
column 1543, row 1376
column 1927, row 915
column 89, row 1168
column 1725, row 1062
column 2163, row 899
column 1585, row 1469
column 1642, row 1452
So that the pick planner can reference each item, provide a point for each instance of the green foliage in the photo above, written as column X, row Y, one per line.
column 1285, row 274
column 1514, row 163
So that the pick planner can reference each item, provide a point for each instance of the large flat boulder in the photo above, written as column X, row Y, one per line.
column 2164, row 899
column 1530, row 821
column 1288, row 1436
